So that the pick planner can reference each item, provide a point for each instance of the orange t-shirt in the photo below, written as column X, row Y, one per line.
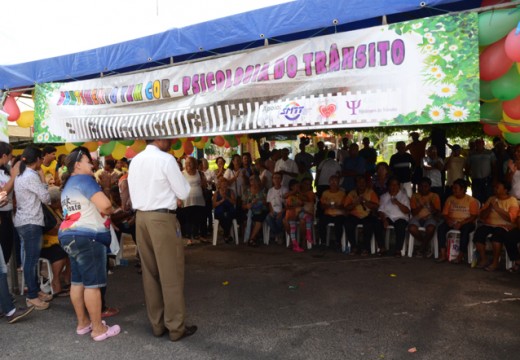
column 361, row 211
column 429, row 202
column 337, row 197
column 509, row 205
column 460, row 209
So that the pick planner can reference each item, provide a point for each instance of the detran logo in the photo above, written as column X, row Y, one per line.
column 292, row 111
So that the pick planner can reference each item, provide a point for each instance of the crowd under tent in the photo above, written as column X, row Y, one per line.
column 294, row 66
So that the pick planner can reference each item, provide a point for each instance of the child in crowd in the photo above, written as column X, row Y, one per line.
column 294, row 205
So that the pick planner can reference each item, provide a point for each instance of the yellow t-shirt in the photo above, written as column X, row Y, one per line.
column 460, row 209
column 49, row 240
column 51, row 169
column 509, row 205
column 337, row 198
column 361, row 211
column 429, row 202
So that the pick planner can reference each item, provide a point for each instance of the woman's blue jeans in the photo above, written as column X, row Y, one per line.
column 6, row 302
column 31, row 236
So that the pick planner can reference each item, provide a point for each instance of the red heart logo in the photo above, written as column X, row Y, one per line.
column 327, row 110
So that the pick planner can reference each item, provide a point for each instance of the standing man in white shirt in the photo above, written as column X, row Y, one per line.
column 156, row 188
column 287, row 167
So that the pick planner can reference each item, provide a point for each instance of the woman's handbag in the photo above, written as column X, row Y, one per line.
column 49, row 220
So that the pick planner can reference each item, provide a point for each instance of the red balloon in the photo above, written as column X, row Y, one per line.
column 494, row 62
column 512, row 108
column 512, row 128
column 130, row 153
column 219, row 141
column 188, row 147
column 512, row 46
column 11, row 107
column 491, row 130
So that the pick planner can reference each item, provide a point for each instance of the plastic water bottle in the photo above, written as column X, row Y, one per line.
column 347, row 249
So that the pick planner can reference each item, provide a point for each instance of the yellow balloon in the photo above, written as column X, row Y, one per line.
column 119, row 151
column 502, row 127
column 91, row 145
column 509, row 120
column 200, row 144
column 489, row 101
column 26, row 119
column 178, row 153
column 69, row 147
column 518, row 67
column 138, row 145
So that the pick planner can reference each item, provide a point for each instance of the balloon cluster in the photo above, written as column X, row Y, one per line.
column 23, row 119
column 500, row 73
column 180, row 147
column 116, row 149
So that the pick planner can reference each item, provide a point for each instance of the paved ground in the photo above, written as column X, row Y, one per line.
column 269, row 303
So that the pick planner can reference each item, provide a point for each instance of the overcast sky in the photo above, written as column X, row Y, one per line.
column 37, row 29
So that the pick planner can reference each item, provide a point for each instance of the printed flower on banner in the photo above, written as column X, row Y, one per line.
column 439, row 75
column 428, row 48
column 46, row 137
column 446, row 90
column 436, row 113
column 39, row 137
column 435, row 69
column 441, row 44
column 458, row 113
column 43, row 124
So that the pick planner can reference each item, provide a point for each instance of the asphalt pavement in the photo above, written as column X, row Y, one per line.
column 271, row 303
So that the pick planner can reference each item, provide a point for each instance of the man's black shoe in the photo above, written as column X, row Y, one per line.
column 18, row 314
column 188, row 331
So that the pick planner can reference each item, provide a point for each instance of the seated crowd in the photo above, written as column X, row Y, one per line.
column 362, row 206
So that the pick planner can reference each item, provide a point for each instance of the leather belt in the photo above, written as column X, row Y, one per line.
column 166, row 211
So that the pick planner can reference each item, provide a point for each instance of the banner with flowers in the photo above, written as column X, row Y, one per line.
column 4, row 129
column 418, row 72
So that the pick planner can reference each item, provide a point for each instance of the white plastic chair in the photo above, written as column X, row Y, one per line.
column 234, row 231
column 45, row 282
column 373, row 244
column 434, row 243
column 265, row 231
column 343, row 237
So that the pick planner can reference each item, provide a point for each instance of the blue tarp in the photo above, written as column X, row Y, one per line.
column 285, row 22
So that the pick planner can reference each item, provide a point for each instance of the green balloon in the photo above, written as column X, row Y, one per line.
column 177, row 145
column 485, row 91
column 106, row 149
column 491, row 112
column 494, row 25
column 507, row 87
column 512, row 138
column 233, row 142
column 126, row 142
column 78, row 143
